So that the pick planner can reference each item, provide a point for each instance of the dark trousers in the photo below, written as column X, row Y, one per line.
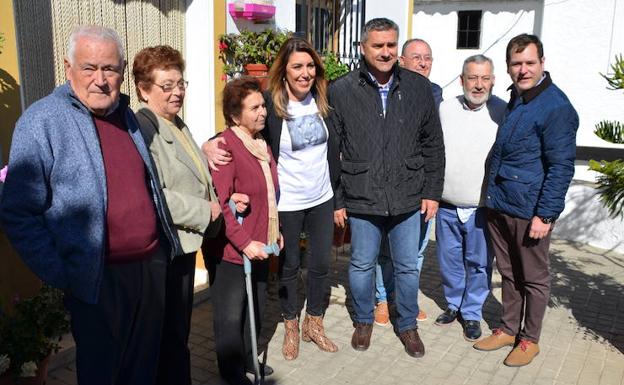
column 118, row 338
column 319, row 223
column 231, row 317
column 524, row 266
column 174, row 363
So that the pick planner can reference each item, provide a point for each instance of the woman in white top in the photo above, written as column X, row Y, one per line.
column 306, row 151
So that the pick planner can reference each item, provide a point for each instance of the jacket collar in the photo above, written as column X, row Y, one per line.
column 365, row 76
column 529, row 94
column 65, row 91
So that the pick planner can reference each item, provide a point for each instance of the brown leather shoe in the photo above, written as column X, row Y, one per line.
column 522, row 354
column 290, row 347
column 412, row 342
column 361, row 336
column 382, row 314
column 497, row 340
column 312, row 330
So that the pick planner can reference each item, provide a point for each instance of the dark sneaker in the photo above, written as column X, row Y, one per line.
column 412, row 342
column 472, row 330
column 447, row 317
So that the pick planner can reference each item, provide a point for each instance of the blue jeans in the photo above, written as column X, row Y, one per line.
column 465, row 261
column 384, row 282
column 366, row 235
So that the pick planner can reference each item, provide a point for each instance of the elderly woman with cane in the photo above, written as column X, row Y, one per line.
column 253, row 172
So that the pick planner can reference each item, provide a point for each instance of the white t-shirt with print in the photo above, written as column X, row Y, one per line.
column 302, row 167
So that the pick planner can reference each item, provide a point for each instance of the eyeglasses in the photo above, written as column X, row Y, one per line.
column 426, row 58
column 169, row 87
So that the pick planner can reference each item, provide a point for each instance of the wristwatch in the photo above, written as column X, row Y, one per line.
column 547, row 220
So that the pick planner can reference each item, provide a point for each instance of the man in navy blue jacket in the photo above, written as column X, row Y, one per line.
column 82, row 208
column 531, row 168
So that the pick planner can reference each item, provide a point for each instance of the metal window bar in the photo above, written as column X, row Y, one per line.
column 333, row 26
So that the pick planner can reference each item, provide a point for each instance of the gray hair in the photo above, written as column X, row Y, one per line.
column 94, row 32
column 378, row 24
column 479, row 59
column 410, row 41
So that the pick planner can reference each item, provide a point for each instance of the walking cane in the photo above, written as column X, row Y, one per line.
column 269, row 249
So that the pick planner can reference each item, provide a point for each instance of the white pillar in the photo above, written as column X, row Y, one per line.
column 199, row 111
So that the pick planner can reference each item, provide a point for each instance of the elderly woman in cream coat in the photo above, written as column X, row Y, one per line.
column 188, row 190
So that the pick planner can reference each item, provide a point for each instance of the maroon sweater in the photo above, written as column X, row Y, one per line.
column 131, row 229
column 242, row 175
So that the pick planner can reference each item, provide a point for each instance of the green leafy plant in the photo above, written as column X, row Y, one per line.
column 616, row 81
column 31, row 332
column 247, row 47
column 610, row 131
column 611, row 181
column 610, row 184
column 334, row 68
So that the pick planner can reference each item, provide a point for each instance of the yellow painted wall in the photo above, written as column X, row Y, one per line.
column 15, row 277
column 220, row 18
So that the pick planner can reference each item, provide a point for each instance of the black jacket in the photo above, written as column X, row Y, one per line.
column 388, row 163
column 272, row 133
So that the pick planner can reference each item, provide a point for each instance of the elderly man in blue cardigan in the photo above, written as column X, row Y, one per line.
column 81, row 207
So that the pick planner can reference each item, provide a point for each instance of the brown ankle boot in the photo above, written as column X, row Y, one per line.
column 290, row 348
column 312, row 330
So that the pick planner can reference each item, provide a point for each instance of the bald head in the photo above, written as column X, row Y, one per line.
column 416, row 56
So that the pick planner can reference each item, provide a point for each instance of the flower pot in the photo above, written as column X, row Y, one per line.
column 259, row 71
column 39, row 379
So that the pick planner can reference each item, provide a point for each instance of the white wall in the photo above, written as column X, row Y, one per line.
column 580, row 40
column 199, row 113
column 581, row 37
column 437, row 24
column 585, row 220
column 397, row 11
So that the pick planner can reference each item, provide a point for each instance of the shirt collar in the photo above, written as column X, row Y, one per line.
column 385, row 86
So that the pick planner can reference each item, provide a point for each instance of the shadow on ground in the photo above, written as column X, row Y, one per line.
column 588, row 285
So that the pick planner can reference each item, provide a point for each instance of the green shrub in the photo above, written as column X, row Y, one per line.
column 334, row 68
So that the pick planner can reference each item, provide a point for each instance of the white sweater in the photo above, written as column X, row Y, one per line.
column 468, row 139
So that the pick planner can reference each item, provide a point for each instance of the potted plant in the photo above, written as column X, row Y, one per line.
column 29, row 334
column 250, row 52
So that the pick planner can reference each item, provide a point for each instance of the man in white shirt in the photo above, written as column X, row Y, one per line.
column 469, row 123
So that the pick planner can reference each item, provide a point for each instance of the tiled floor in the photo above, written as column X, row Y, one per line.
column 582, row 339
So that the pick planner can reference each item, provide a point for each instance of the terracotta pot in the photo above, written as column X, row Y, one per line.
column 39, row 379
column 259, row 71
